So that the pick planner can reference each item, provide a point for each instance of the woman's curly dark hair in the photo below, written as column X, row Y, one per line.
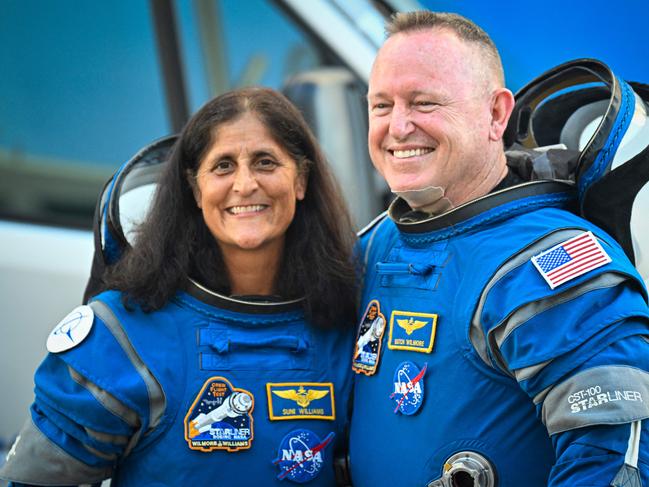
column 174, row 242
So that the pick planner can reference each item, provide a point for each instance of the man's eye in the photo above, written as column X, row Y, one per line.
column 380, row 107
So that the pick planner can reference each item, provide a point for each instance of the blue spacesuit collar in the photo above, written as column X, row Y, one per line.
column 463, row 217
column 242, row 304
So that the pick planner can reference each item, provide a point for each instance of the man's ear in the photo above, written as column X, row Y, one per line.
column 191, row 180
column 502, row 104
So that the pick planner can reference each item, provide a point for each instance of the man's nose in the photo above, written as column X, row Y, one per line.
column 401, row 124
column 245, row 181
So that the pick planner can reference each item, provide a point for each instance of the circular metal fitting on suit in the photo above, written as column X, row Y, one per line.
column 466, row 469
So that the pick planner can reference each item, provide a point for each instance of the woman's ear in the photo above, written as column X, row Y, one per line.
column 193, row 184
column 301, row 184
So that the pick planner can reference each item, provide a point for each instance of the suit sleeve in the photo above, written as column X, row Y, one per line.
column 580, row 352
column 92, row 405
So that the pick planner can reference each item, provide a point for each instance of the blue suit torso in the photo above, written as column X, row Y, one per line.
column 470, row 346
column 138, row 398
column 251, row 351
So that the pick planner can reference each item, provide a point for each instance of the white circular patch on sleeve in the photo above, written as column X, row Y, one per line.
column 71, row 330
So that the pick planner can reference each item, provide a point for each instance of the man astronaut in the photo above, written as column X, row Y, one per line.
column 528, row 362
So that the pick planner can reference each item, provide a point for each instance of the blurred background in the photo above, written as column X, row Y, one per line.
column 84, row 85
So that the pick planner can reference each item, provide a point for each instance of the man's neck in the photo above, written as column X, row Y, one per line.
column 481, row 184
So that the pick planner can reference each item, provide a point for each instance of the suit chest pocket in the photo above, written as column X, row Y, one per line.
column 413, row 268
column 226, row 347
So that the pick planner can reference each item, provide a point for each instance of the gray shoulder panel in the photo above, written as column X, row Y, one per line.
column 500, row 332
column 524, row 313
column 36, row 460
column 612, row 394
column 476, row 332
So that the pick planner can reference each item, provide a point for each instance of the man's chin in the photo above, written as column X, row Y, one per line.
column 401, row 182
column 429, row 199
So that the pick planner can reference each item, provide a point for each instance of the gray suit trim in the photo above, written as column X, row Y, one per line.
column 36, row 460
column 476, row 332
column 627, row 476
column 611, row 394
column 107, row 438
column 157, row 400
column 109, row 457
column 540, row 397
column 499, row 333
column 107, row 400
column 502, row 331
column 376, row 223
column 633, row 447
column 528, row 372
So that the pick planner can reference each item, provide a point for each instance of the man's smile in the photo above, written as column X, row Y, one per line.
column 405, row 153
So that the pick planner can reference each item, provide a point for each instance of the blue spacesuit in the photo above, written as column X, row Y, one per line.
column 208, row 390
column 503, row 343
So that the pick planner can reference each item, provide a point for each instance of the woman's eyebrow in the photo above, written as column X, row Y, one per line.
column 265, row 152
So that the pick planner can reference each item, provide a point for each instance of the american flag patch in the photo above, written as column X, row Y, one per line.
column 570, row 259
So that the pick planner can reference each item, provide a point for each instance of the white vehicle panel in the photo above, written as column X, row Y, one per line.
column 43, row 273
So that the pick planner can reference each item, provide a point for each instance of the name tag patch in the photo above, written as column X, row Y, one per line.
column 301, row 455
column 368, row 340
column 220, row 418
column 301, row 400
column 412, row 331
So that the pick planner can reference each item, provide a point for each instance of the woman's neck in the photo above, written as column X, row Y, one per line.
column 252, row 272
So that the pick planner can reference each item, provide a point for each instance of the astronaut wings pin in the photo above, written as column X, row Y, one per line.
column 368, row 341
column 300, row 400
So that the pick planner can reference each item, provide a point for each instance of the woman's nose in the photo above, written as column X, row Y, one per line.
column 245, row 181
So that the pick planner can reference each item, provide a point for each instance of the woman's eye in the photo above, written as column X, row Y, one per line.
column 266, row 164
column 223, row 167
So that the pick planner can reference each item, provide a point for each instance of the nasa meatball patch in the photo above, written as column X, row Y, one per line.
column 408, row 393
column 301, row 455
column 368, row 341
column 220, row 418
